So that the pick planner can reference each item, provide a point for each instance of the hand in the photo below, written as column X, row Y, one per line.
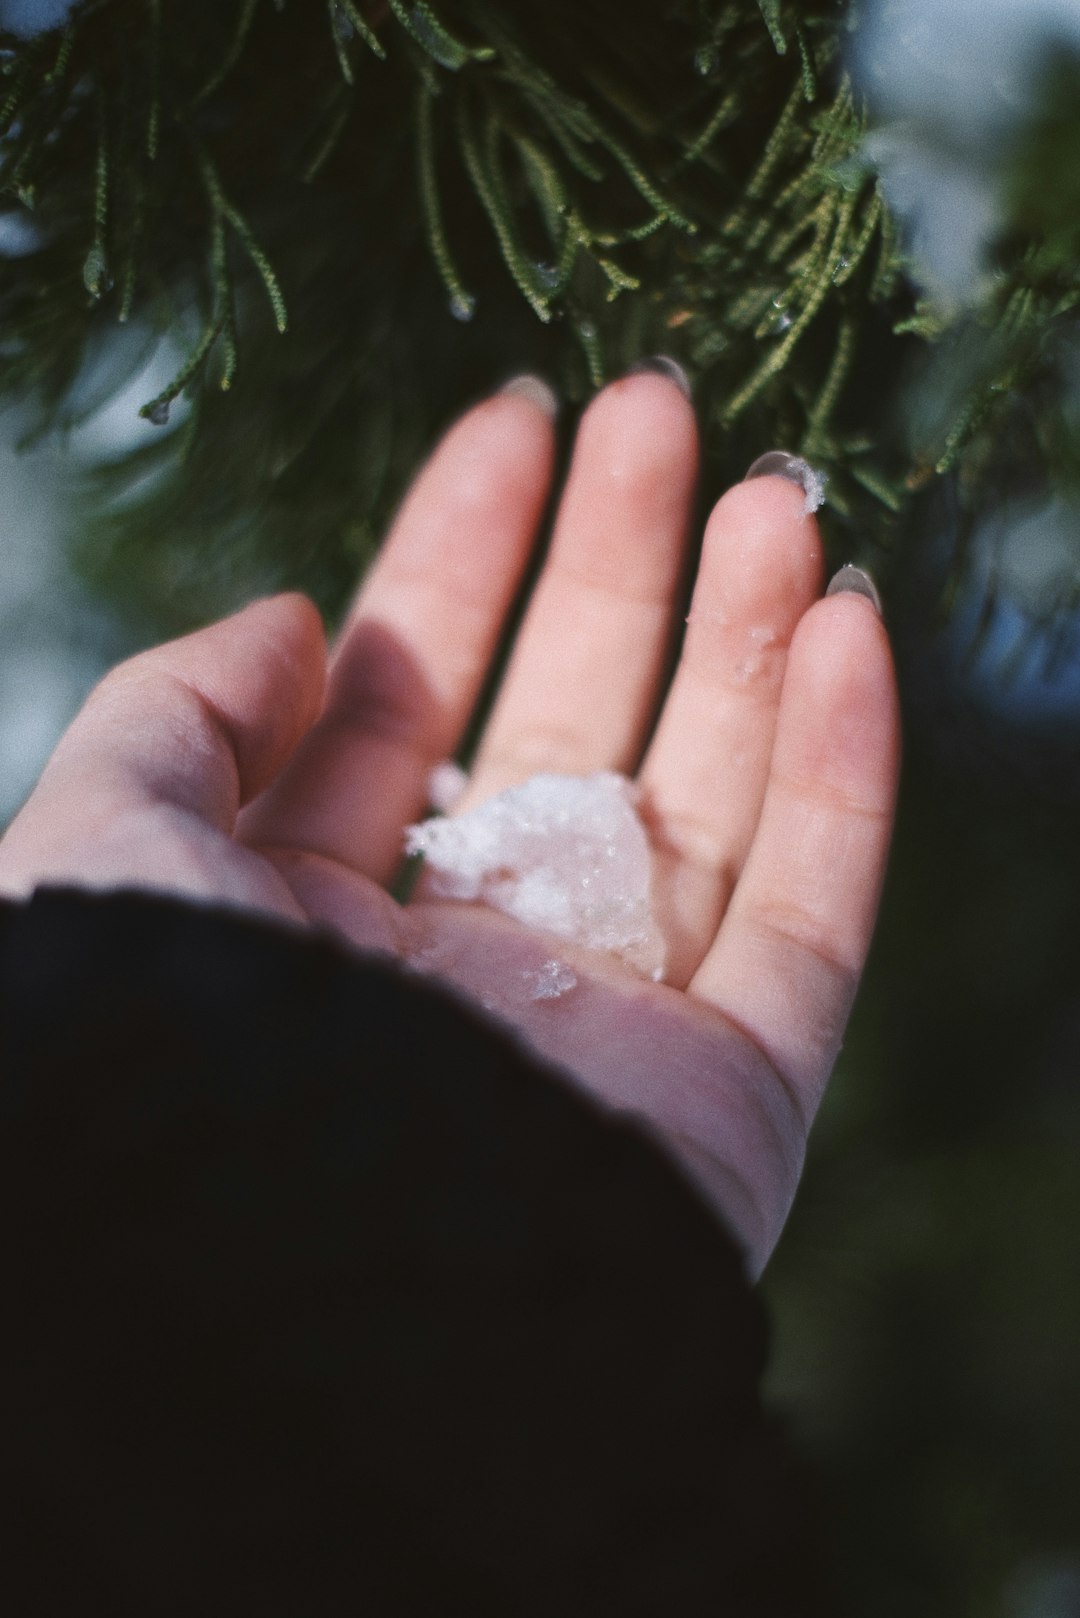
column 233, row 766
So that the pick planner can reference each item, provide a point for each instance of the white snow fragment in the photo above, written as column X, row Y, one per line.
column 563, row 853
column 813, row 483
column 446, row 784
column 551, row 981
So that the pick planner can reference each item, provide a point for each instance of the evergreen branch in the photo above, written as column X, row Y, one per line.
column 641, row 233
column 571, row 118
column 224, row 303
column 25, row 146
column 334, row 133
column 968, row 419
column 127, row 289
column 587, row 335
column 887, row 270
column 566, row 119
column 809, row 77
column 568, row 141
column 342, row 54
column 345, row 9
column 367, row 34
column 153, row 121
column 95, row 265
column 130, row 270
column 494, row 206
column 462, row 302
column 774, row 362
column 666, row 209
column 776, row 150
column 839, row 130
column 547, row 187
column 725, row 111
column 156, row 410
column 221, row 204
column 420, row 21
column 770, row 12
column 23, row 83
column 752, row 302
column 530, row 270
column 784, row 241
column 620, row 280
column 851, row 260
column 929, row 322
column 59, row 68
column 232, row 53
column 874, row 483
column 825, row 403
column 823, row 260
column 574, row 239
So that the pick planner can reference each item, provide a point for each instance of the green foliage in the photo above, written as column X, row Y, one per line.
column 584, row 184
column 430, row 196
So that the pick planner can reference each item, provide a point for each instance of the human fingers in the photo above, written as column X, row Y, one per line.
column 789, row 953
column 412, row 656
column 582, row 685
column 703, row 777
column 201, row 725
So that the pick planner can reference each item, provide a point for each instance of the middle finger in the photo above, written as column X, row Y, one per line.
column 582, row 685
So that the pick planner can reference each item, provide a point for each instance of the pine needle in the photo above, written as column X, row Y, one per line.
column 429, row 32
column 221, row 204
column 770, row 11
column 461, row 301
column 232, row 53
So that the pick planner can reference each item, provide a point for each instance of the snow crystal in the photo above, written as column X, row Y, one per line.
column 781, row 464
column 446, row 783
column 551, row 981
column 813, row 483
column 565, row 854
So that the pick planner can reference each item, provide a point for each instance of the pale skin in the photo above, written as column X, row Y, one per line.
column 245, row 765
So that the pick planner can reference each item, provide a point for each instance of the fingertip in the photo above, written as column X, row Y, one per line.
column 534, row 391
column 496, row 458
column 765, row 529
column 644, row 420
column 840, row 709
column 845, row 632
column 769, row 501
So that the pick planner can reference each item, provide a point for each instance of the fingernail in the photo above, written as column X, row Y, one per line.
column 780, row 463
column 858, row 581
column 664, row 365
column 536, row 390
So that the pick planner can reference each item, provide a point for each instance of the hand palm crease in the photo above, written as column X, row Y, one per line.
column 233, row 766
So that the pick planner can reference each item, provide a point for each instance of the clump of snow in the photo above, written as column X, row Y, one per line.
column 563, row 853
column 551, row 981
column 813, row 483
column 781, row 463
column 446, row 784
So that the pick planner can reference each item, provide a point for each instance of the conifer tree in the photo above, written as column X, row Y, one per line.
column 352, row 217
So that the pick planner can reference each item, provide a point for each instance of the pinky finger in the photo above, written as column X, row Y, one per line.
column 789, row 954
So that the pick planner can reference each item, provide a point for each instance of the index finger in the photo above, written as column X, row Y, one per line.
column 412, row 657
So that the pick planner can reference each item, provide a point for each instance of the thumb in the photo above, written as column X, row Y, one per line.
column 201, row 724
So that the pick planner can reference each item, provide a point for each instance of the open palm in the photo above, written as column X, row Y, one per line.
column 233, row 765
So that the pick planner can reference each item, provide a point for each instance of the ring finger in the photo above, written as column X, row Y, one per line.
column 704, row 776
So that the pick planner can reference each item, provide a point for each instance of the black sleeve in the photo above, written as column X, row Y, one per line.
column 322, row 1296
